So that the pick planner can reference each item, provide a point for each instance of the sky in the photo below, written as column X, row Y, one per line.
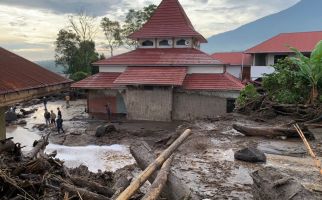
column 29, row 28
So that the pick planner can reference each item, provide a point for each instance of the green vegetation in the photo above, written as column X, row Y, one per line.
column 77, row 76
column 248, row 94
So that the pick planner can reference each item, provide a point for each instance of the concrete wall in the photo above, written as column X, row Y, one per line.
column 112, row 68
column 153, row 104
column 197, row 69
column 234, row 70
column 189, row 106
column 97, row 99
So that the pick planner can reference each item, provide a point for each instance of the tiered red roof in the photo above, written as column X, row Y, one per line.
column 161, row 56
column 168, row 20
column 233, row 58
column 303, row 41
column 152, row 76
column 102, row 80
column 223, row 81
column 18, row 74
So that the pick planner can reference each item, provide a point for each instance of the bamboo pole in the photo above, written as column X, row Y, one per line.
column 159, row 183
column 307, row 145
column 140, row 180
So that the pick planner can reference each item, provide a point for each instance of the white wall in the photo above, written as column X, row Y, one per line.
column 112, row 68
column 234, row 70
column 205, row 69
column 258, row 71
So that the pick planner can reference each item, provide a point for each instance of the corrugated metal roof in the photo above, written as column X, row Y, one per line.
column 152, row 76
column 303, row 41
column 17, row 74
column 233, row 58
column 168, row 20
column 102, row 80
column 223, row 81
column 160, row 56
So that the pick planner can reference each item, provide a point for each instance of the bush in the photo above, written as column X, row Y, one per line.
column 249, row 93
column 78, row 76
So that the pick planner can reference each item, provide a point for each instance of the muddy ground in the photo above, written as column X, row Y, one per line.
column 205, row 162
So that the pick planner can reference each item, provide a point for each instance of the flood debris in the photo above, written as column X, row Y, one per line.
column 250, row 154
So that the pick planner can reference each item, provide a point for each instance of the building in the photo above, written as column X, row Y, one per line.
column 21, row 80
column 166, row 78
column 236, row 63
column 266, row 54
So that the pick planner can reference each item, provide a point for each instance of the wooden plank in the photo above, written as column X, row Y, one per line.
column 2, row 123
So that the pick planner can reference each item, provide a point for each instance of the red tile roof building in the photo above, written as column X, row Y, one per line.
column 233, row 58
column 148, row 82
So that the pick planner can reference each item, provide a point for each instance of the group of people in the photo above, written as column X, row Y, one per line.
column 50, row 118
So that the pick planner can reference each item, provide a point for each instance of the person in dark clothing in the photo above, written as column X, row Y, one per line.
column 47, row 117
column 59, row 113
column 45, row 102
column 59, row 124
column 108, row 112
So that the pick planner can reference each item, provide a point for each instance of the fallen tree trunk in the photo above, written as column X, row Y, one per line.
column 265, row 131
column 83, row 193
column 159, row 183
column 93, row 186
column 41, row 144
column 140, row 180
column 174, row 189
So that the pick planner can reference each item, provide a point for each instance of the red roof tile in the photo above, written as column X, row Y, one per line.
column 158, row 56
column 303, row 41
column 18, row 74
column 101, row 80
column 152, row 76
column 233, row 58
column 223, row 81
column 169, row 20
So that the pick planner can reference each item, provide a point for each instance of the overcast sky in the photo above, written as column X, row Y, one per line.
column 29, row 27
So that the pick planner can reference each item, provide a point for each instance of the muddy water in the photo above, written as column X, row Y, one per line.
column 105, row 158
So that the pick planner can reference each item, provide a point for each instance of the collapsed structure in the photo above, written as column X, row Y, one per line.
column 21, row 80
column 166, row 77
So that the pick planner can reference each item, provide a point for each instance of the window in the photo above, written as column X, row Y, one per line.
column 164, row 43
column 181, row 42
column 147, row 43
column 230, row 105
column 279, row 57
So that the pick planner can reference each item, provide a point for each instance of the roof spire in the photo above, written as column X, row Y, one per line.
column 168, row 20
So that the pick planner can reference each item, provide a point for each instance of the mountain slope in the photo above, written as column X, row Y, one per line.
column 303, row 16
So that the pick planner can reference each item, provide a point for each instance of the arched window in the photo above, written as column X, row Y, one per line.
column 147, row 43
column 164, row 43
column 181, row 42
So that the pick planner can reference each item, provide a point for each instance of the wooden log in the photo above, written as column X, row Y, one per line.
column 140, row 180
column 7, row 146
column 93, row 186
column 42, row 143
column 159, row 183
column 174, row 189
column 85, row 194
column 265, row 131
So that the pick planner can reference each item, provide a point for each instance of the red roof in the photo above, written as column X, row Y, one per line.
column 303, row 41
column 18, row 74
column 168, row 20
column 223, row 81
column 152, row 76
column 160, row 56
column 233, row 58
column 101, row 80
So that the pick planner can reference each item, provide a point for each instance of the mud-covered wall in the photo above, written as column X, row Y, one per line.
column 97, row 100
column 189, row 106
column 154, row 104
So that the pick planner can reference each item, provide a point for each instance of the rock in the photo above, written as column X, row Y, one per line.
column 11, row 116
column 270, row 184
column 250, row 155
column 104, row 129
column 21, row 122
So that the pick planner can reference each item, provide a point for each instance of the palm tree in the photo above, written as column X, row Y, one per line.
column 310, row 68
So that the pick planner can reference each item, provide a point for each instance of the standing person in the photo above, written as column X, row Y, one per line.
column 45, row 102
column 67, row 98
column 59, row 124
column 108, row 112
column 53, row 118
column 59, row 113
column 47, row 117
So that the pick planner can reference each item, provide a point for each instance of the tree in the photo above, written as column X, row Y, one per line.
column 84, row 26
column 134, row 20
column 310, row 68
column 112, row 32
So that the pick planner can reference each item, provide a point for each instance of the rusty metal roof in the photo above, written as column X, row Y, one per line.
column 152, row 76
column 161, row 56
column 233, row 58
column 102, row 80
column 223, row 81
column 18, row 74
column 168, row 20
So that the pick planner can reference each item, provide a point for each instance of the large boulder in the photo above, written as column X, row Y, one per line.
column 104, row 129
column 250, row 155
column 11, row 116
